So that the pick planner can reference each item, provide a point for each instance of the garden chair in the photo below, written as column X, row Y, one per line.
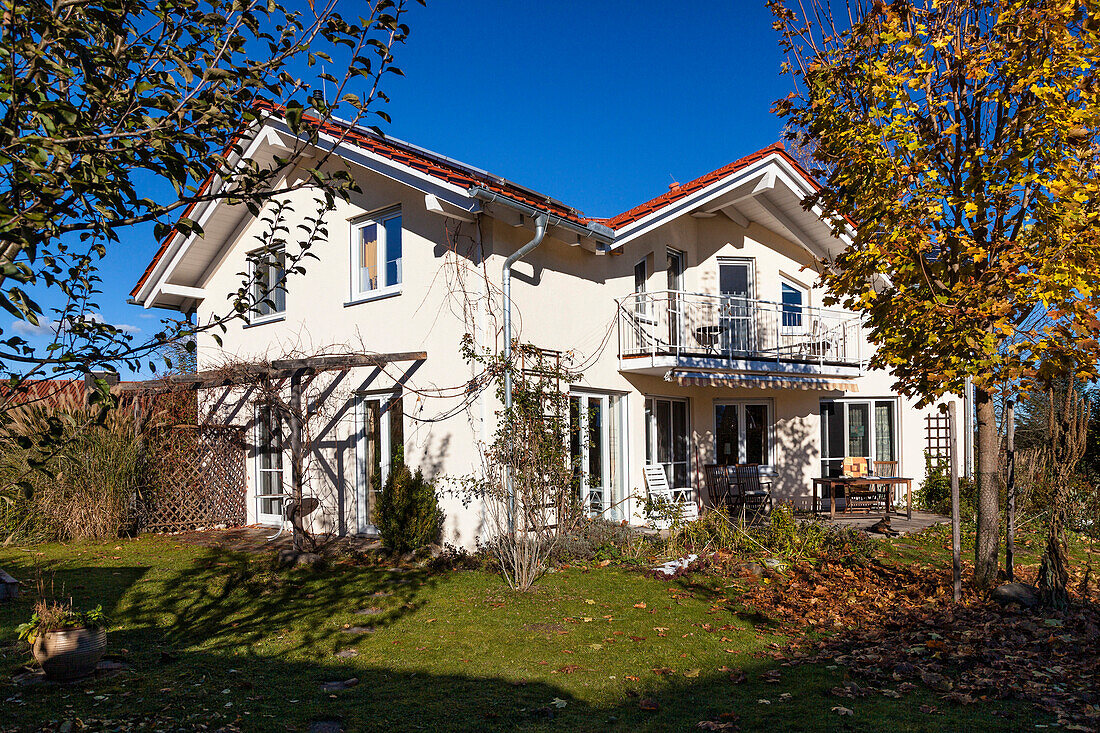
column 657, row 485
column 755, row 500
column 718, row 487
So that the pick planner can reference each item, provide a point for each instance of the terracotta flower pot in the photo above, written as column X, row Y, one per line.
column 70, row 653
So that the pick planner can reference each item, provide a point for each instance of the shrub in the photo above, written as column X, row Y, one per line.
column 784, row 535
column 934, row 493
column 599, row 539
column 88, row 483
column 408, row 514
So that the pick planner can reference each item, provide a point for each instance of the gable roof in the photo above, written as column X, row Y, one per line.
column 456, row 173
column 682, row 191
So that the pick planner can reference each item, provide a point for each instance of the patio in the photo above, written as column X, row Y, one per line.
column 898, row 522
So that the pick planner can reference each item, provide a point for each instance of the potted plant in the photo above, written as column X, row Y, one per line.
column 66, row 642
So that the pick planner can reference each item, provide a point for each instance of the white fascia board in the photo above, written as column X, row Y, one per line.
column 697, row 200
column 179, row 245
column 407, row 175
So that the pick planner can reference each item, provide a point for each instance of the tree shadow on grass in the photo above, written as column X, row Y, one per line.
column 213, row 691
column 235, row 601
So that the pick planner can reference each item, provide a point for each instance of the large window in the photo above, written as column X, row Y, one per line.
column 267, row 275
column 270, row 489
column 859, row 429
column 376, row 255
column 667, row 438
column 742, row 433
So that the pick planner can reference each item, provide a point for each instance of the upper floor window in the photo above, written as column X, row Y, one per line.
column 793, row 298
column 267, row 275
column 376, row 255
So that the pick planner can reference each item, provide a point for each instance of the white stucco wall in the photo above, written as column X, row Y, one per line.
column 564, row 299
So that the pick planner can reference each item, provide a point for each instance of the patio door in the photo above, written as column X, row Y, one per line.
column 667, row 439
column 859, row 429
column 590, row 450
column 270, row 479
column 380, row 442
column 742, row 433
column 735, row 283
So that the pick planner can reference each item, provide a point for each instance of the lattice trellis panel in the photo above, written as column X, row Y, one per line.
column 937, row 437
column 197, row 478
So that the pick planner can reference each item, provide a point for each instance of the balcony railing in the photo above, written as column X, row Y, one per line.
column 676, row 323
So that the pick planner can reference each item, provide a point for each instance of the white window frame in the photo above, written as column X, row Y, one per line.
column 642, row 306
column 261, row 517
column 274, row 260
column 803, row 327
column 649, row 438
column 605, row 407
column 385, row 400
column 871, row 427
column 378, row 219
column 742, row 434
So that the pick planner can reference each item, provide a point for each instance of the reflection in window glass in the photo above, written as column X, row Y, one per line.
column 756, row 434
column 368, row 257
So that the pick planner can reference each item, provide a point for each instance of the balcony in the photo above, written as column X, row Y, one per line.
column 669, row 329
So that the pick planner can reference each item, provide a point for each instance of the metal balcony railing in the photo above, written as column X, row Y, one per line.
column 677, row 323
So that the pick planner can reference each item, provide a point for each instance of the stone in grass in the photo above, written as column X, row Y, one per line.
column 1023, row 594
column 372, row 611
column 337, row 685
column 347, row 653
column 348, row 629
column 326, row 726
column 294, row 559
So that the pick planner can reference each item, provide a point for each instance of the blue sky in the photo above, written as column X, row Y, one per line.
column 598, row 104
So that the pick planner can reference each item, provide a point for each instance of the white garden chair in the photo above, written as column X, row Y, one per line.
column 657, row 484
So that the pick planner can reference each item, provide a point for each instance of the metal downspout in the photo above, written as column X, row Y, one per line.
column 506, row 285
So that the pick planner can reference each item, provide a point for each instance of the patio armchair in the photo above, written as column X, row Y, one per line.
column 719, row 492
column 657, row 485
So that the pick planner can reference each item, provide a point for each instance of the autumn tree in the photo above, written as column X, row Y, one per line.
column 102, row 102
column 960, row 139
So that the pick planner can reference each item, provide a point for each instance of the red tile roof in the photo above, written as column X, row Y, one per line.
column 461, row 175
column 684, row 190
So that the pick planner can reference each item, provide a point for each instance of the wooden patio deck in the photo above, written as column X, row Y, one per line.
column 898, row 522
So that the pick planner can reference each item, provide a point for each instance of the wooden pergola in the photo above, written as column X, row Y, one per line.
column 292, row 369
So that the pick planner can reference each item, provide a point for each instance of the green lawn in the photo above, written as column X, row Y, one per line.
column 217, row 638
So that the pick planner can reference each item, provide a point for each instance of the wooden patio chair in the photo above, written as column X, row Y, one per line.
column 754, row 498
column 863, row 498
column 718, row 486
column 886, row 468
column 657, row 485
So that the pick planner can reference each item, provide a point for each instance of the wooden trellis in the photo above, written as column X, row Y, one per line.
column 937, row 437
column 197, row 478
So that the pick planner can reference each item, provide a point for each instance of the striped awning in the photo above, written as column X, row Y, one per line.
column 758, row 381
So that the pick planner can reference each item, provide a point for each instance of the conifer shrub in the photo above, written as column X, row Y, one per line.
column 407, row 513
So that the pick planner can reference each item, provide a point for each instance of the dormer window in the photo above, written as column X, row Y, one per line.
column 376, row 256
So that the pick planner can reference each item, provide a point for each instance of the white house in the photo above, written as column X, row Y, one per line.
column 696, row 317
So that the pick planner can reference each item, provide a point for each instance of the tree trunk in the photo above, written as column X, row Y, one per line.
column 988, row 540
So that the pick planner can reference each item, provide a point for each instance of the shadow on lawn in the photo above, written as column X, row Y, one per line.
column 228, row 600
column 210, row 691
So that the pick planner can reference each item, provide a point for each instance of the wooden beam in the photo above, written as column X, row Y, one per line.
column 437, row 206
column 799, row 234
column 734, row 214
column 280, row 368
column 183, row 291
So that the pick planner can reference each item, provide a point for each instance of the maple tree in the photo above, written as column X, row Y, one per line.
column 960, row 138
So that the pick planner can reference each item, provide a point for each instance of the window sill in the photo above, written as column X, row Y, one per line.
column 379, row 294
column 265, row 320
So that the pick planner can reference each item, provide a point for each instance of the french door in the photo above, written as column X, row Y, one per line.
column 735, row 283
column 667, row 438
column 271, row 487
column 858, row 429
column 742, row 433
column 590, row 449
column 380, row 442
column 675, row 265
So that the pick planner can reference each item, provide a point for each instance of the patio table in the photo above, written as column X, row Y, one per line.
column 831, row 485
